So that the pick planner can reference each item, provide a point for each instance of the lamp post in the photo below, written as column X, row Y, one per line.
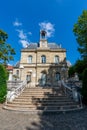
column 21, row 67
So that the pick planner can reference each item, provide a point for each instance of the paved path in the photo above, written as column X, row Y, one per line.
column 10, row 120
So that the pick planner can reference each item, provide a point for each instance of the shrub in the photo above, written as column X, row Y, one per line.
column 71, row 71
column 3, row 86
column 84, row 86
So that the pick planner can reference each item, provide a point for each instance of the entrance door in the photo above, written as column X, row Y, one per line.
column 43, row 79
column 28, row 78
column 57, row 76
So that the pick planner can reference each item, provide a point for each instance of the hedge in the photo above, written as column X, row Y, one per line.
column 3, row 86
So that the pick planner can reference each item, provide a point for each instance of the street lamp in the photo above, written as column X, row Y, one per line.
column 21, row 67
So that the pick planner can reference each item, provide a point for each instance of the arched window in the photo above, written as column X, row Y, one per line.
column 43, row 59
column 57, row 76
column 30, row 59
column 56, row 59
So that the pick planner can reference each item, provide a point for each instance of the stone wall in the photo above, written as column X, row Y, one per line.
column 36, row 67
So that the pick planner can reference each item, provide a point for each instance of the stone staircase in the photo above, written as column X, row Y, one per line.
column 42, row 99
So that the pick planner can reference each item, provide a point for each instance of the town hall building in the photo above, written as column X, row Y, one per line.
column 37, row 82
column 42, row 64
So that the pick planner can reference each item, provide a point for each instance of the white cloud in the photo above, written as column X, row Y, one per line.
column 23, row 38
column 24, row 42
column 48, row 27
column 30, row 33
column 21, row 34
column 17, row 23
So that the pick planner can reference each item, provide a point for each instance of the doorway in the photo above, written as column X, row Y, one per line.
column 43, row 79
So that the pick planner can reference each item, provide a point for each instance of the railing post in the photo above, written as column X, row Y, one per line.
column 75, row 94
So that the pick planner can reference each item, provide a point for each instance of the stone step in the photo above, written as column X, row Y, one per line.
column 41, row 95
column 41, row 110
column 47, row 90
column 44, row 108
column 42, row 100
column 43, row 103
column 43, row 88
column 40, row 105
column 47, row 95
column 40, row 92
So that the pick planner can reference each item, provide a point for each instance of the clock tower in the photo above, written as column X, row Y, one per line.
column 43, row 40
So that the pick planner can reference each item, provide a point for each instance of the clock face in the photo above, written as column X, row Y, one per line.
column 43, row 43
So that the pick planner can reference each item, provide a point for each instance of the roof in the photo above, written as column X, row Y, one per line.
column 9, row 67
column 53, row 46
column 50, row 45
column 33, row 46
column 17, row 65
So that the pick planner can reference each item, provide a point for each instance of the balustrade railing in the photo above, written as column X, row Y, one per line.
column 13, row 93
column 72, row 93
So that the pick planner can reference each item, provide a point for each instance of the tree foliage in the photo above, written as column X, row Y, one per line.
column 3, row 87
column 6, row 51
column 80, row 31
column 84, row 86
column 78, row 67
column 71, row 71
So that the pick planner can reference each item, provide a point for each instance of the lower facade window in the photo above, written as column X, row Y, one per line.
column 57, row 76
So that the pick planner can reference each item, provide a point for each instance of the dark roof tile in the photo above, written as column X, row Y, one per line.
column 50, row 45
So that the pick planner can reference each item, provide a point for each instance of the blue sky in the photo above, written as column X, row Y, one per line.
column 23, row 19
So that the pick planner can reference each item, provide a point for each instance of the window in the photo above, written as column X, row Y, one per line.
column 56, row 59
column 43, row 59
column 29, row 59
column 57, row 76
column 17, row 72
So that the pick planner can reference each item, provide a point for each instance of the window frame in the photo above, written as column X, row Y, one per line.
column 56, row 59
column 30, row 57
column 43, row 59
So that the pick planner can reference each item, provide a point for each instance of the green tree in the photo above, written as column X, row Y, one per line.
column 6, row 51
column 71, row 71
column 84, row 86
column 80, row 31
column 80, row 65
column 3, row 86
